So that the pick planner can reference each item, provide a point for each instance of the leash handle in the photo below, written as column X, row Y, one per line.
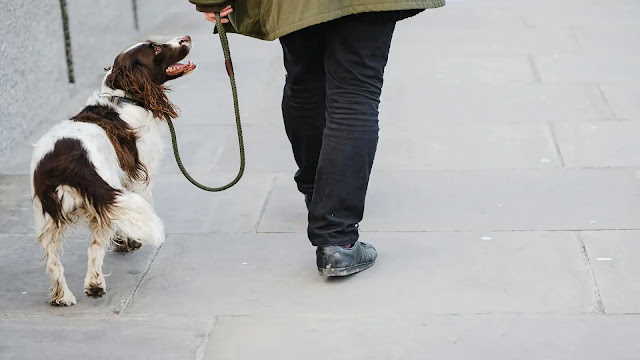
column 229, row 66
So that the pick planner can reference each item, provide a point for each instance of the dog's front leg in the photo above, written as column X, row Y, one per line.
column 122, row 243
column 143, row 190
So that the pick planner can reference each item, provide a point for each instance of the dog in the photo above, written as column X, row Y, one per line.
column 97, row 166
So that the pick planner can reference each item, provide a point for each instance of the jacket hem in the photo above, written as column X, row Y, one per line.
column 358, row 9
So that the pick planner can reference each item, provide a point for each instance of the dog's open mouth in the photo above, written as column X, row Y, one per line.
column 180, row 69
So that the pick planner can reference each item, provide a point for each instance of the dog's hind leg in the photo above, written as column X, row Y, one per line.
column 94, row 283
column 50, row 238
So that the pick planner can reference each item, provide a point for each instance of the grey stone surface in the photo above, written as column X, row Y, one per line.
column 467, row 15
column 108, row 23
column 33, row 64
column 267, row 149
column 614, row 258
column 187, row 209
column 623, row 100
column 600, row 68
column 15, row 205
column 200, row 148
column 513, row 272
column 102, row 338
column 466, row 146
column 259, row 77
column 25, row 284
column 552, row 199
column 456, row 69
column 497, row 38
column 475, row 103
column 468, row 175
column 622, row 39
column 375, row 336
column 572, row 13
column 599, row 144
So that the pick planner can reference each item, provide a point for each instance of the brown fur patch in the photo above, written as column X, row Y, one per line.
column 140, row 87
column 68, row 164
column 122, row 137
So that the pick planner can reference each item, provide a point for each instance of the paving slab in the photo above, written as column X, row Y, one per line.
column 187, row 209
column 467, row 146
column 475, row 103
column 620, row 39
column 614, row 259
column 102, row 338
column 266, row 147
column 607, row 68
column 18, row 160
column 15, row 204
column 548, row 199
column 446, row 273
column 456, row 69
column 571, row 13
column 439, row 146
column 25, row 285
column 599, row 144
column 526, row 337
column 498, row 39
column 205, row 96
column 466, row 15
column 623, row 99
column 200, row 148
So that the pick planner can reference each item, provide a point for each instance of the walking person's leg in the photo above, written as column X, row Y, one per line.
column 303, row 101
column 356, row 54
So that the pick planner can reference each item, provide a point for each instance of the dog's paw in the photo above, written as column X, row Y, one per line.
column 134, row 244
column 121, row 244
column 95, row 291
column 68, row 299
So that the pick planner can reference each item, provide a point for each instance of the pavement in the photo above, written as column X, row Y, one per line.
column 504, row 202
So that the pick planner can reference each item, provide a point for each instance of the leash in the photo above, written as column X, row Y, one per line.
column 229, row 65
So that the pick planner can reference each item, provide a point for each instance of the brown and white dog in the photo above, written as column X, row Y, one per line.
column 97, row 166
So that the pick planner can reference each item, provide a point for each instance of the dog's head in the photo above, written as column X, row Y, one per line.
column 141, row 71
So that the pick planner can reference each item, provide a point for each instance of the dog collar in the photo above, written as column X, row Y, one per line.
column 116, row 100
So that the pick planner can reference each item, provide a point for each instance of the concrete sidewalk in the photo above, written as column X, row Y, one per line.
column 505, row 204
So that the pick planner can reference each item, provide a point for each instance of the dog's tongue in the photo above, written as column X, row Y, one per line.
column 177, row 69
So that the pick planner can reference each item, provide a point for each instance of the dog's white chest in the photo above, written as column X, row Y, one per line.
column 151, row 146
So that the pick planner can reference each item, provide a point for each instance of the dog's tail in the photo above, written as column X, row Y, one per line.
column 133, row 216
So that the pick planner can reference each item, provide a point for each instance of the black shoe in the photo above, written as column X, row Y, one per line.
column 338, row 261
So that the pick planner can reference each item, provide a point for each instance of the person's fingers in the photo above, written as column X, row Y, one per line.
column 210, row 17
column 223, row 14
column 226, row 11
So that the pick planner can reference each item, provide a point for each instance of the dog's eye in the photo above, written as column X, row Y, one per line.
column 157, row 49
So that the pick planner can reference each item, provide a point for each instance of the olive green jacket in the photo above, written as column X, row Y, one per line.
column 271, row 19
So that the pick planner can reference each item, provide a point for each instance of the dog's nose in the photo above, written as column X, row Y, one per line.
column 185, row 39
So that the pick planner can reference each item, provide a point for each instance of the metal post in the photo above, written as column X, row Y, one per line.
column 134, row 3
column 67, row 40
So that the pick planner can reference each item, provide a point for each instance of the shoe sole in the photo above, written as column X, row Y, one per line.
column 345, row 271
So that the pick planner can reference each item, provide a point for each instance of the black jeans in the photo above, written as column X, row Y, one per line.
column 330, row 110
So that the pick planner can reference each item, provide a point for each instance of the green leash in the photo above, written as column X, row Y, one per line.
column 174, row 142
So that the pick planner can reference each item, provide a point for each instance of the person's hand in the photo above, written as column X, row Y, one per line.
column 223, row 15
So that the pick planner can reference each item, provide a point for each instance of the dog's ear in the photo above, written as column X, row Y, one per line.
column 137, row 83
